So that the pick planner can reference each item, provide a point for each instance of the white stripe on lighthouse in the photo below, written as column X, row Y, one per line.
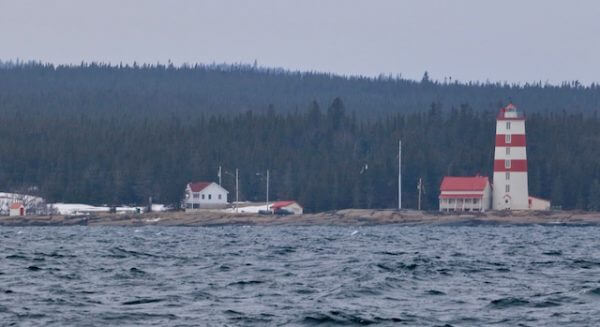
column 510, row 127
column 514, row 153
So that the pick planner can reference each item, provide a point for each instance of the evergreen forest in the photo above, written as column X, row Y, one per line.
column 118, row 134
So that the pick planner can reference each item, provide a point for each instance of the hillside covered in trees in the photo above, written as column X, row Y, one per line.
column 104, row 134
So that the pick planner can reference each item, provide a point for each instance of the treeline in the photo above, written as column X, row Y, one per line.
column 326, row 157
column 106, row 134
column 141, row 91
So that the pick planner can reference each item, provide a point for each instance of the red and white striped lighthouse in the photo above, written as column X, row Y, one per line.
column 510, row 161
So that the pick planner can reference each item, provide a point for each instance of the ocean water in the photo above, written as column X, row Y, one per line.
column 319, row 275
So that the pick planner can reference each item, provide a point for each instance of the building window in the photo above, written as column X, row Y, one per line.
column 507, row 138
column 196, row 195
column 188, row 205
column 508, row 175
column 507, row 125
column 507, row 150
column 475, row 201
column 507, row 188
column 219, row 196
column 209, row 196
column 507, row 164
column 202, row 196
column 196, row 206
column 450, row 201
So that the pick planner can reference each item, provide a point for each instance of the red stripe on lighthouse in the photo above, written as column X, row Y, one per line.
column 515, row 165
column 515, row 140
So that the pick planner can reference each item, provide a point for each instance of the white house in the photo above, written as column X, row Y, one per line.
column 465, row 194
column 291, row 206
column 204, row 195
column 17, row 209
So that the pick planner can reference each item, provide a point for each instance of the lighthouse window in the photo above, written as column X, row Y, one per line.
column 508, row 175
column 507, row 138
column 507, row 150
column 507, row 125
column 507, row 188
column 507, row 164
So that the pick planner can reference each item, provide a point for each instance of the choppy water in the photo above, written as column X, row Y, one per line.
column 234, row 275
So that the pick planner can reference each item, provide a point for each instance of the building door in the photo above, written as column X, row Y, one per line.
column 507, row 202
column 21, row 211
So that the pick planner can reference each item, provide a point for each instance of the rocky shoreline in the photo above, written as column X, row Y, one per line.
column 340, row 217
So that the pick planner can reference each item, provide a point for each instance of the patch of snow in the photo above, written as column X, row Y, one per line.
column 77, row 208
column 80, row 208
column 245, row 208
column 159, row 207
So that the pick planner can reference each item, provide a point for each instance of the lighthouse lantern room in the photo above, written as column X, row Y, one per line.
column 510, row 161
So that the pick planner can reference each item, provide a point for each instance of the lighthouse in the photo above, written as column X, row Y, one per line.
column 510, row 161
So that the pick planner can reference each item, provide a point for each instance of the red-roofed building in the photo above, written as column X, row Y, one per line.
column 204, row 195
column 290, row 206
column 17, row 209
column 465, row 194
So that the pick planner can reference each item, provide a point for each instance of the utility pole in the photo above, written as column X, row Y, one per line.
column 219, row 175
column 419, row 187
column 267, row 190
column 237, row 188
column 262, row 176
column 399, row 174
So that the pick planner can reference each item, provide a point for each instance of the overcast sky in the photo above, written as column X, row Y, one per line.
column 508, row 40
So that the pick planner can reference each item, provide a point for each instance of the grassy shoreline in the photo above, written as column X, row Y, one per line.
column 340, row 217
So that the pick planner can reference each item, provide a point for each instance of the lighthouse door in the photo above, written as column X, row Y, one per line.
column 507, row 201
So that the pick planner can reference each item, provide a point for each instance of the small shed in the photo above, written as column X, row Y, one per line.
column 17, row 209
column 538, row 204
column 290, row 206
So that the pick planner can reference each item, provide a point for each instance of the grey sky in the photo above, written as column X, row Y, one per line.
column 509, row 40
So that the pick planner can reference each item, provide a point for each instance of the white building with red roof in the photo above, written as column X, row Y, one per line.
column 465, row 194
column 289, row 206
column 17, row 209
column 204, row 195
